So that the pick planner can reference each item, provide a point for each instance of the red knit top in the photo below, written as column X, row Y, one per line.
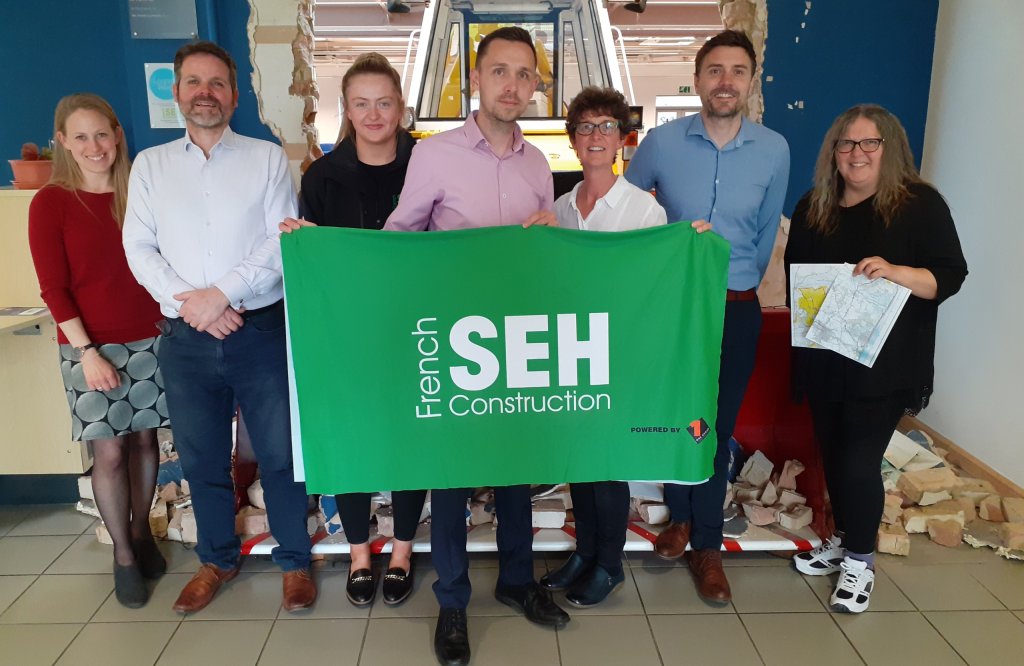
column 76, row 248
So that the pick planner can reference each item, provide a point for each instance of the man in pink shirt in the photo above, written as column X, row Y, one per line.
column 480, row 175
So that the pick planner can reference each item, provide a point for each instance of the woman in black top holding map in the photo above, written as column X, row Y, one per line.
column 870, row 208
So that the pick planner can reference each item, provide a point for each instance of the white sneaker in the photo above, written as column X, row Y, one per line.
column 821, row 561
column 853, row 592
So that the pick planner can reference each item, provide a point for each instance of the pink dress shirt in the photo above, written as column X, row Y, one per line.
column 455, row 181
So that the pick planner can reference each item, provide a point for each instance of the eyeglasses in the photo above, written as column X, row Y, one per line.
column 607, row 127
column 867, row 145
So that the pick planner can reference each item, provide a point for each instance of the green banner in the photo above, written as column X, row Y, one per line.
column 503, row 355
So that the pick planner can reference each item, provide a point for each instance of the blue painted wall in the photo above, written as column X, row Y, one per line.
column 877, row 51
column 51, row 48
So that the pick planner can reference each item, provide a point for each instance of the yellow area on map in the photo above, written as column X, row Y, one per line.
column 810, row 302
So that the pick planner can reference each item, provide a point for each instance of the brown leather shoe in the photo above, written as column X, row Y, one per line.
column 299, row 590
column 199, row 591
column 706, row 567
column 671, row 543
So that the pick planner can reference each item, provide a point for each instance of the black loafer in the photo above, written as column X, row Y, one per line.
column 594, row 588
column 451, row 637
column 129, row 586
column 361, row 587
column 572, row 570
column 397, row 585
column 150, row 560
column 535, row 603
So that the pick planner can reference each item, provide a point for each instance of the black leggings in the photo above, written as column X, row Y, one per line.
column 354, row 509
column 853, row 436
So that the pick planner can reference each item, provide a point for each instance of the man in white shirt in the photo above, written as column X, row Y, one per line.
column 200, row 234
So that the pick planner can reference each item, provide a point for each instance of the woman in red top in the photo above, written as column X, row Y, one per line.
column 107, row 330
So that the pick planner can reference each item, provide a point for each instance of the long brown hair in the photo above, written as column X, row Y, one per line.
column 367, row 63
column 897, row 170
column 66, row 172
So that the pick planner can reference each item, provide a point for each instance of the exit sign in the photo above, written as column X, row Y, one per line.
column 685, row 90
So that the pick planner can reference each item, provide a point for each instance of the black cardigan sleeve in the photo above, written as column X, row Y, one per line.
column 937, row 245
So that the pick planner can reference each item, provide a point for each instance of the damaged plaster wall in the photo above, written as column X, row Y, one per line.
column 750, row 17
column 281, row 53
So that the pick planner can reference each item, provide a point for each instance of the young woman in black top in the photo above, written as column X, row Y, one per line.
column 357, row 185
column 869, row 207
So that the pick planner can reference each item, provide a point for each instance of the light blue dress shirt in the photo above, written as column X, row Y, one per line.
column 739, row 189
column 194, row 222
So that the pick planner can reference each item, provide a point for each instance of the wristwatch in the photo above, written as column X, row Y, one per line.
column 84, row 348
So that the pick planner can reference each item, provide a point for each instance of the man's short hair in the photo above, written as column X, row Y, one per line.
column 208, row 48
column 599, row 101
column 510, row 33
column 726, row 38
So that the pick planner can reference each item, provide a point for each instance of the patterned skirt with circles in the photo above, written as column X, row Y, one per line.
column 137, row 404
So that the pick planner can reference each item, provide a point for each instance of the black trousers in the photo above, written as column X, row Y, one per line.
column 354, row 509
column 701, row 505
column 853, row 436
column 601, row 510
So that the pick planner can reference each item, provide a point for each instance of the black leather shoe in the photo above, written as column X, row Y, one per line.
column 361, row 587
column 451, row 637
column 149, row 558
column 129, row 586
column 572, row 570
column 397, row 585
column 594, row 588
column 535, row 603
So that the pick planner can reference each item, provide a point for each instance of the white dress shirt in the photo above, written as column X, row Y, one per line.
column 194, row 222
column 624, row 207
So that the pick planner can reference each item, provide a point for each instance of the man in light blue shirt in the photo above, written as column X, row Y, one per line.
column 720, row 167
column 200, row 234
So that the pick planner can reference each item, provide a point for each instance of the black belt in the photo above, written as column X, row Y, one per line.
column 267, row 308
column 747, row 295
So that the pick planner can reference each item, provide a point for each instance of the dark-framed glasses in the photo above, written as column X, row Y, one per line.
column 606, row 127
column 867, row 145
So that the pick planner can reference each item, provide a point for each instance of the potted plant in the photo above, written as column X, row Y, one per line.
column 32, row 171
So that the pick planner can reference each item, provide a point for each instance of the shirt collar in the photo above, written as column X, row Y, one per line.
column 612, row 197
column 474, row 136
column 228, row 139
column 697, row 129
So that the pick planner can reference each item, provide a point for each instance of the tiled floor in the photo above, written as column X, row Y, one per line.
column 940, row 606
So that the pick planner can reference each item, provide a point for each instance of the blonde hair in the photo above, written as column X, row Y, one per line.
column 367, row 63
column 66, row 172
column 897, row 170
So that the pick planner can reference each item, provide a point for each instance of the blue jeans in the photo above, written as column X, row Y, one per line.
column 448, row 541
column 203, row 378
column 701, row 505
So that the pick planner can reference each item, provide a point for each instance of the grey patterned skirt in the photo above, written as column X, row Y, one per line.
column 137, row 404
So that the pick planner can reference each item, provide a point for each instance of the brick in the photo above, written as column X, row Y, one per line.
column 744, row 492
column 158, row 519
column 915, row 519
column 255, row 494
column 760, row 515
column 169, row 492
column 770, row 494
column 548, row 513
column 790, row 470
column 654, row 514
column 1012, row 535
column 790, row 498
column 894, row 540
column 947, row 533
column 929, row 497
column 991, row 508
column 189, row 530
column 386, row 521
column 184, row 488
column 1013, row 509
column 479, row 513
column 251, row 520
column 970, row 511
column 757, row 470
column 976, row 489
column 796, row 518
column 85, row 488
column 174, row 526
column 893, row 509
column 915, row 484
